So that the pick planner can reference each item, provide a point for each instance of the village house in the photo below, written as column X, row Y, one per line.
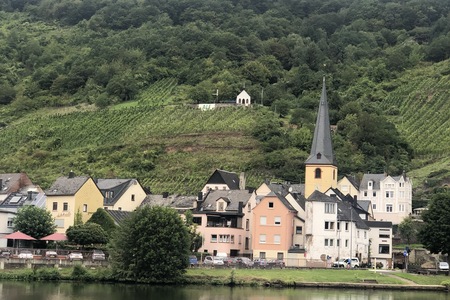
column 121, row 194
column 70, row 195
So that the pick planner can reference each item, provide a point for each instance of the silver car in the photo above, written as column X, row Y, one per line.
column 25, row 254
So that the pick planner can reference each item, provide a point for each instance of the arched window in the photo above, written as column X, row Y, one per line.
column 318, row 173
column 319, row 155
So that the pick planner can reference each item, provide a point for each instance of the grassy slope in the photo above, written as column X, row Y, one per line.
column 422, row 98
column 168, row 148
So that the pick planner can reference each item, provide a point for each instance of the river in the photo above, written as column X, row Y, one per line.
column 72, row 291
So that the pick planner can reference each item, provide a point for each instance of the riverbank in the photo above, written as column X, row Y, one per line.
column 273, row 278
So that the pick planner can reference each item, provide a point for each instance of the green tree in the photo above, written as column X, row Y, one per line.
column 87, row 234
column 151, row 245
column 78, row 220
column 34, row 221
column 407, row 230
column 102, row 218
column 434, row 234
column 196, row 237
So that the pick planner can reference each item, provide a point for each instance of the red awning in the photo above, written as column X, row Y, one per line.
column 19, row 236
column 55, row 237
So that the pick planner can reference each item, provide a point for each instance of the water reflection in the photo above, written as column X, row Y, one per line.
column 69, row 291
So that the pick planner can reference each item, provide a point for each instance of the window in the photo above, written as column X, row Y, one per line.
column 298, row 230
column 220, row 206
column 365, row 234
column 277, row 239
column 247, row 243
column 357, row 234
column 319, row 155
column 329, row 242
column 384, row 233
column 346, row 243
column 133, row 197
column 338, row 242
column 338, row 226
column 280, row 255
column 55, row 205
column 262, row 238
column 225, row 238
column 370, row 184
column 383, row 249
column 249, row 207
column 388, row 207
column 329, row 208
column 247, row 224
column 277, row 220
column 365, row 193
column 270, row 204
column 346, row 226
column 401, row 207
column 213, row 238
column 9, row 224
column 329, row 225
column 318, row 173
column 374, row 194
column 389, row 194
column 262, row 255
column 262, row 220
column 59, row 223
column 84, row 207
column 65, row 206
column 120, row 208
column 374, row 206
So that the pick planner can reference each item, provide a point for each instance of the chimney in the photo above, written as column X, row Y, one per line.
column 242, row 181
column 240, row 206
column 200, row 196
column 29, row 195
column 165, row 195
column 71, row 174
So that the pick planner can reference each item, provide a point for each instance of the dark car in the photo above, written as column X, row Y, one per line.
column 5, row 254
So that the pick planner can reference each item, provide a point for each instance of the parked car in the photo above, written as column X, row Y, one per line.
column 98, row 255
column 243, row 262
column 193, row 261
column 278, row 263
column 213, row 261
column 25, row 254
column 260, row 263
column 50, row 255
column 343, row 263
column 5, row 254
column 75, row 256
column 443, row 266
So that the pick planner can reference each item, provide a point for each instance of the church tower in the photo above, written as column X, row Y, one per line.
column 321, row 167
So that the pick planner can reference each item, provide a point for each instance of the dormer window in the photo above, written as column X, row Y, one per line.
column 319, row 155
column 318, row 173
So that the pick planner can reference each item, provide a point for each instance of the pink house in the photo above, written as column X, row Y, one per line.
column 273, row 228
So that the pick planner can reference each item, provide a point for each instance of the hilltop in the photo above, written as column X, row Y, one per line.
column 106, row 88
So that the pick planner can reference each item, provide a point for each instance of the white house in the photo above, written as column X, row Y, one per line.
column 243, row 99
column 391, row 196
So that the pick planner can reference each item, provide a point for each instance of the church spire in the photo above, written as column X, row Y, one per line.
column 322, row 147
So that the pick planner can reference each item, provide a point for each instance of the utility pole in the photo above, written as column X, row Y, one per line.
column 217, row 96
column 262, row 96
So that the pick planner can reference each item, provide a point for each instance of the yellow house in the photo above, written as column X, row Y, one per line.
column 321, row 170
column 72, row 194
column 121, row 194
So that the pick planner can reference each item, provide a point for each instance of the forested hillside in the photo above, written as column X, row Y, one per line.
column 90, row 85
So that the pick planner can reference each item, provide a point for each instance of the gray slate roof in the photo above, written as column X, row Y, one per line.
column 118, row 215
column 365, row 204
column 65, row 186
column 233, row 196
column 376, row 178
column 321, row 197
column 174, row 201
column 379, row 224
column 348, row 213
column 14, row 182
column 117, row 186
column 224, row 177
column 322, row 143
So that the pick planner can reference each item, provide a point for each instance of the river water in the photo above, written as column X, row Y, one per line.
column 72, row 291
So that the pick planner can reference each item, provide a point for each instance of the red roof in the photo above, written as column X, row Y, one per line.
column 19, row 236
column 55, row 237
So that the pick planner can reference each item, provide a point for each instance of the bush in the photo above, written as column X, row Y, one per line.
column 79, row 272
column 47, row 274
column 380, row 265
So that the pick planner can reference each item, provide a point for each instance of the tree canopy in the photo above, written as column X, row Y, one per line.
column 434, row 235
column 34, row 221
column 102, row 218
column 87, row 234
column 152, row 244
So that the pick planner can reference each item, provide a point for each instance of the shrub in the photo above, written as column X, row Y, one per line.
column 79, row 272
column 47, row 274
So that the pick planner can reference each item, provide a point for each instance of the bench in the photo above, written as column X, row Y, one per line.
column 369, row 281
